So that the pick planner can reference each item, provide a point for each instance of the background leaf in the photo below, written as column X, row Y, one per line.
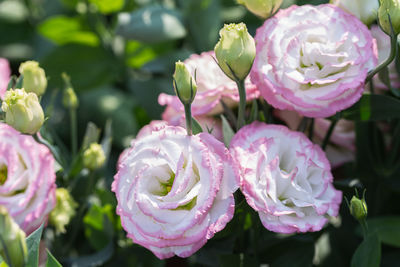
column 151, row 24
column 63, row 30
column 368, row 254
column 32, row 243
column 373, row 107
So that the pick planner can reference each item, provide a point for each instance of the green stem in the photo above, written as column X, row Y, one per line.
column 329, row 133
column 242, row 104
column 311, row 130
column 188, row 116
column 303, row 124
column 364, row 227
column 74, row 131
column 392, row 55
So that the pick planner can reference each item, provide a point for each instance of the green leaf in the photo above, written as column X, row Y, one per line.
column 387, row 229
column 108, row 6
column 96, row 259
column 368, row 253
column 98, row 225
column 138, row 54
column 62, row 30
column 253, row 112
column 196, row 127
column 237, row 260
column 204, row 22
column 295, row 256
column 151, row 24
column 227, row 131
column 32, row 243
column 88, row 67
column 373, row 107
column 51, row 261
column 109, row 103
column 166, row 63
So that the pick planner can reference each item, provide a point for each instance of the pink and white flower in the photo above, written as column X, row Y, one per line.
column 212, row 86
column 313, row 59
column 175, row 191
column 5, row 73
column 27, row 184
column 285, row 178
column 383, row 44
column 341, row 148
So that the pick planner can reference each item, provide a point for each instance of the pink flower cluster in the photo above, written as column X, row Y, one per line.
column 176, row 191
column 27, row 184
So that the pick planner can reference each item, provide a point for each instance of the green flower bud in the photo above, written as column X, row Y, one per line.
column 70, row 100
column 93, row 157
column 13, row 247
column 235, row 51
column 261, row 8
column 389, row 8
column 34, row 77
column 61, row 215
column 23, row 111
column 358, row 208
column 185, row 86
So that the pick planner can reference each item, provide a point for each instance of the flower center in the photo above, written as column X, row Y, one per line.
column 3, row 174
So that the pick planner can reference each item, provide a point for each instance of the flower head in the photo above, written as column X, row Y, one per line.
column 27, row 187
column 313, row 59
column 63, row 211
column 23, row 111
column 235, row 51
column 285, row 178
column 389, row 8
column 184, row 84
column 34, row 77
column 175, row 191
column 261, row 8
column 94, row 157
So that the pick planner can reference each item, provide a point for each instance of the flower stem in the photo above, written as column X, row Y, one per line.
column 188, row 116
column 329, row 133
column 74, row 131
column 242, row 104
column 364, row 227
column 392, row 55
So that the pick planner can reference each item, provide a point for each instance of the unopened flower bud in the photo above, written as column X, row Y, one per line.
column 93, row 157
column 63, row 212
column 389, row 8
column 23, row 111
column 358, row 208
column 261, row 8
column 13, row 247
column 70, row 100
column 235, row 51
column 365, row 10
column 184, row 84
column 34, row 77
